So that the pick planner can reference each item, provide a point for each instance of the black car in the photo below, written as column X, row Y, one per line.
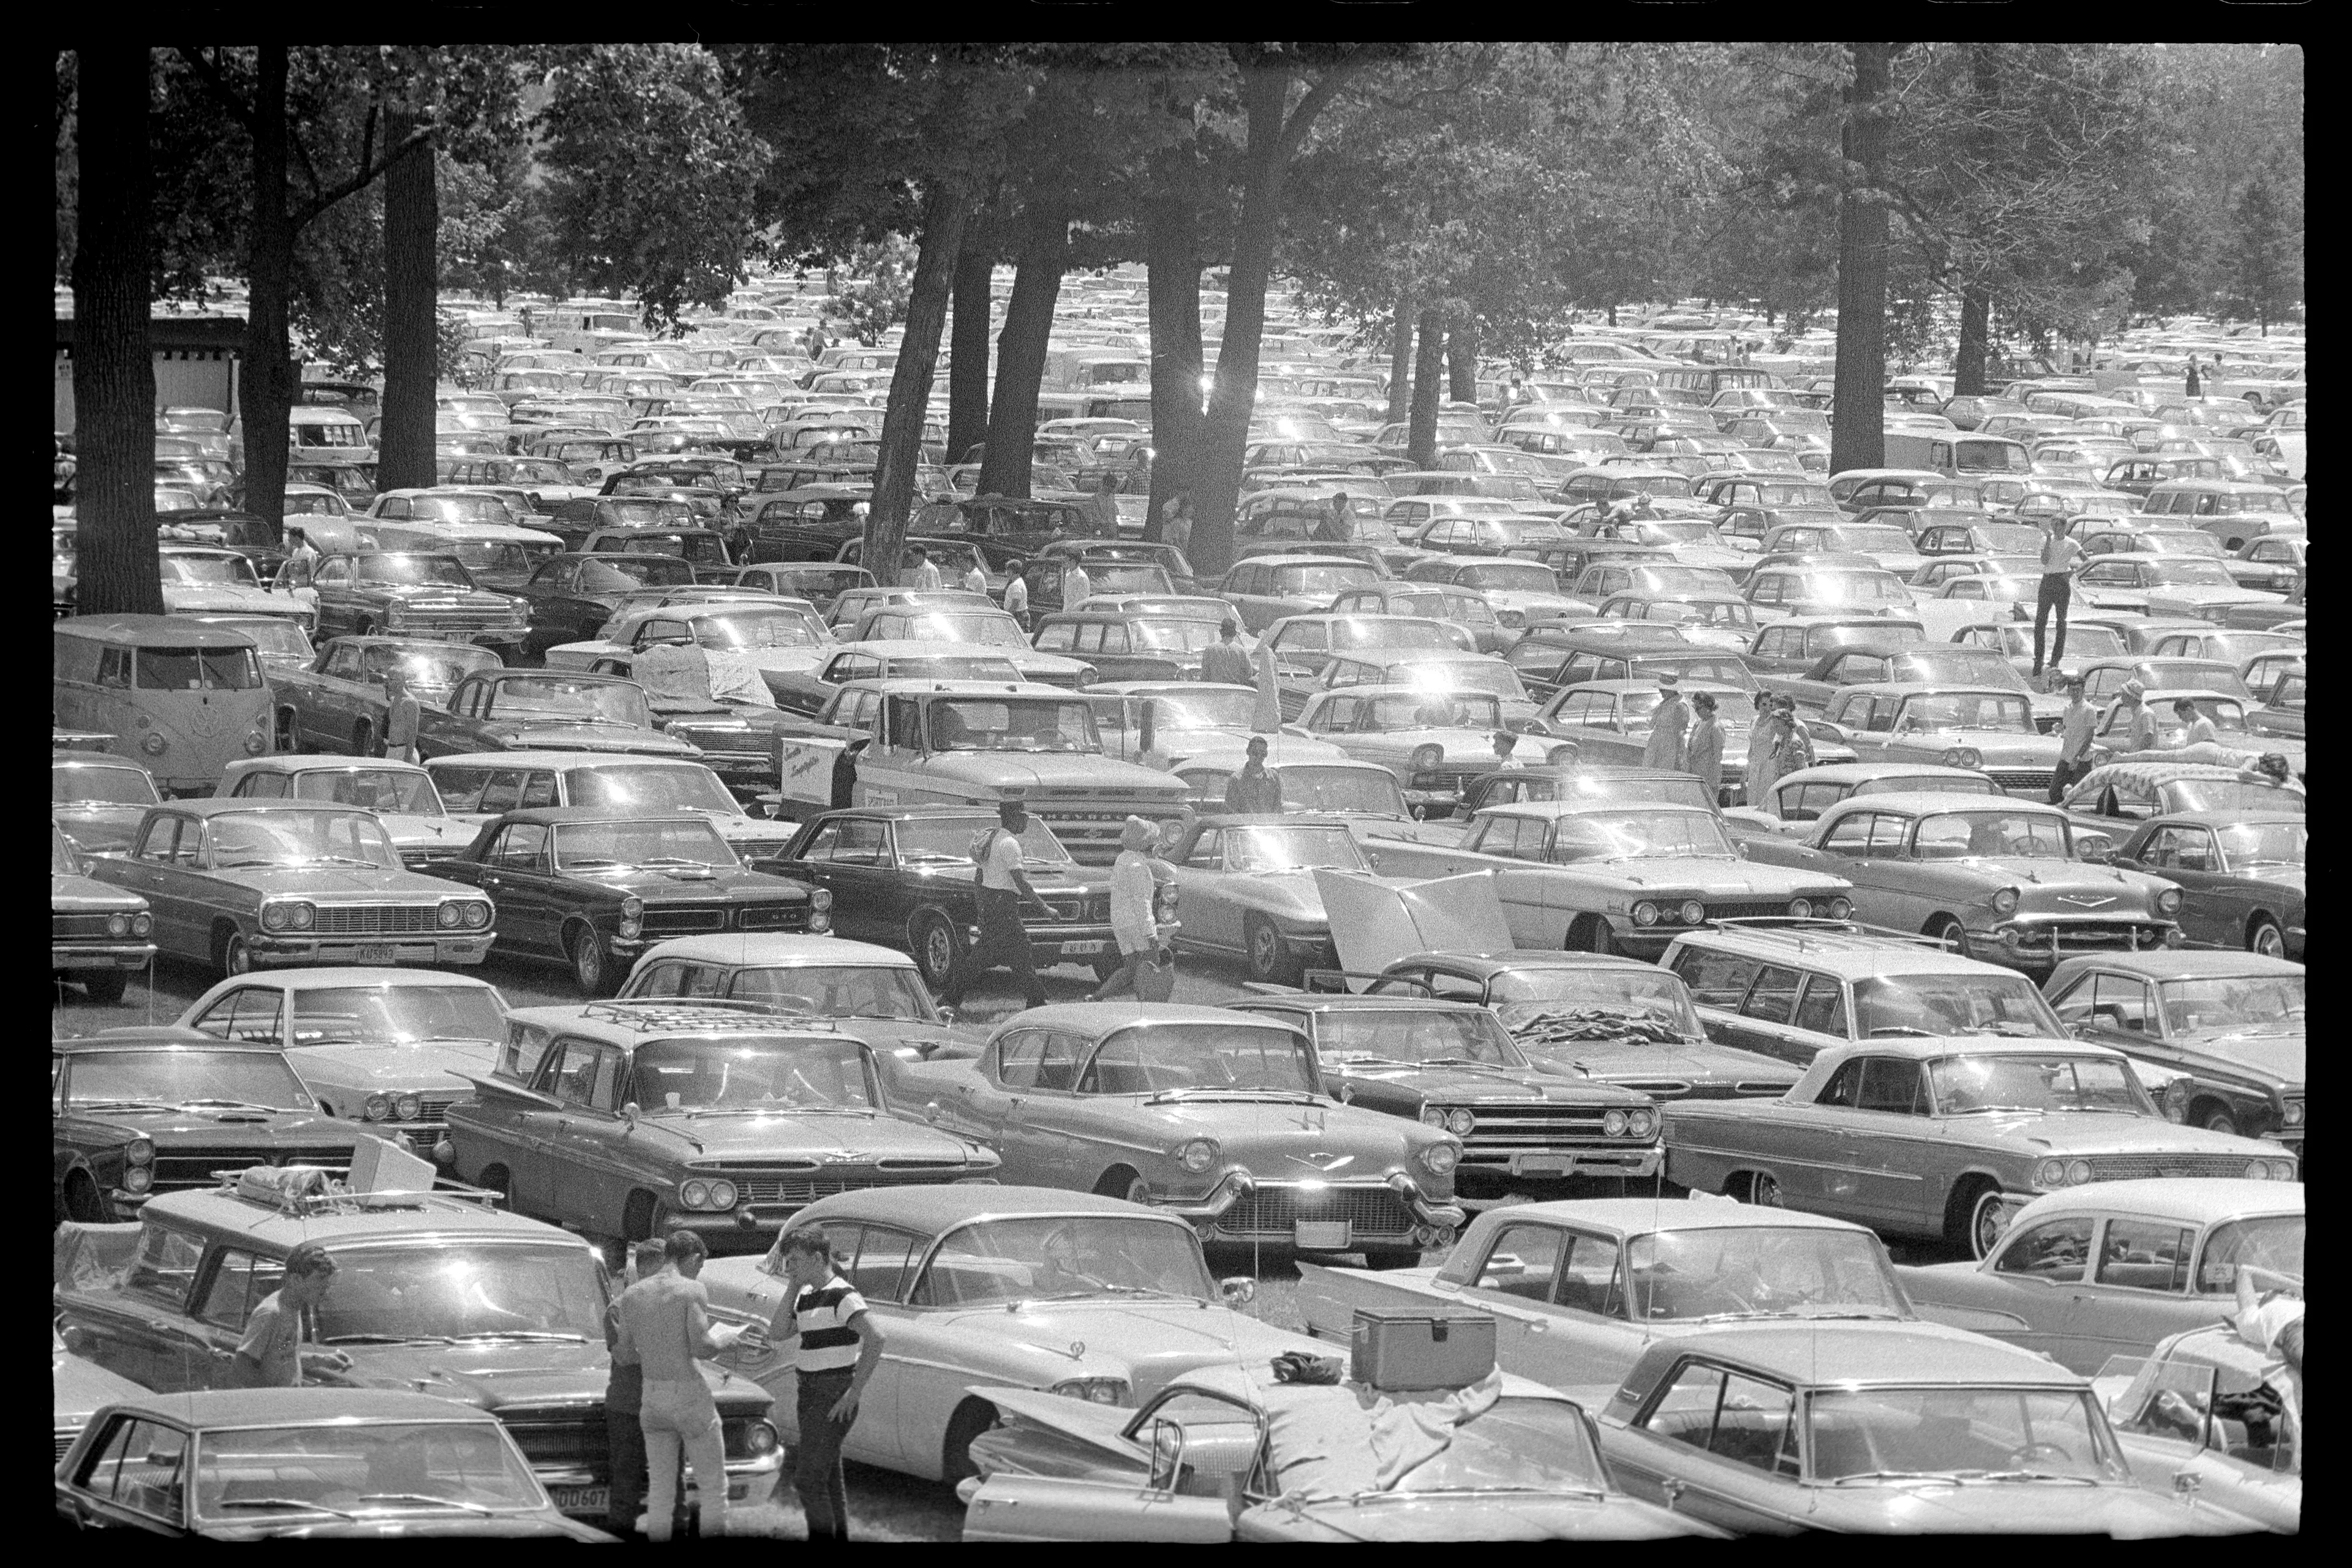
column 592, row 888
column 250, row 536
column 904, row 876
column 572, row 596
column 1020, row 523
column 573, row 520
column 807, row 523
column 1548, row 659
column 196, row 1103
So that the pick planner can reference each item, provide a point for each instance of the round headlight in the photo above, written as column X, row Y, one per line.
column 153, row 743
column 1433, row 1116
column 2004, row 902
column 301, row 917
column 2078, row 1171
column 1645, row 913
column 1459, row 1121
column 1440, row 1159
column 451, row 915
column 378, row 1108
column 2258, row 1170
column 722, row 1194
column 118, row 925
column 2284, row 1169
column 695, row 1193
column 409, row 1106
column 478, row 915
column 139, row 1151
column 139, row 1178
column 822, row 898
column 1615, row 1124
column 2050, row 1173
column 141, row 924
column 759, row 1438
column 273, row 917
column 1963, row 757
column 1427, row 757
column 1642, row 1123
column 2294, row 1117
column 2167, row 902
column 1800, row 908
column 1198, row 1154
column 253, row 742
column 1692, row 912
column 1841, row 908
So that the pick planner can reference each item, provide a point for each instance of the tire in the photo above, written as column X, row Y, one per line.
column 363, row 738
column 2265, row 937
column 106, row 986
column 1950, row 933
column 641, row 1220
column 2214, row 1118
column 1764, row 1191
column 82, row 1203
column 591, row 966
column 363, row 628
column 1119, row 1182
column 288, row 732
column 937, row 947
column 1590, row 933
column 1384, row 1257
column 972, row 1418
column 232, row 955
column 1968, row 1217
column 1271, row 960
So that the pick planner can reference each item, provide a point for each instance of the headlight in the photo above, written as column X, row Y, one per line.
column 1198, row 1155
column 1094, row 1390
column 1433, row 1116
column 478, row 915
column 2167, row 902
column 722, row 1194
column 759, row 1438
column 1841, row 908
column 695, row 1193
column 633, row 915
column 1800, row 908
column 409, row 1106
column 2078, row 1171
column 139, row 1178
column 1645, row 913
column 2004, row 902
column 1963, row 757
column 1459, row 1121
column 378, row 1108
column 253, row 742
column 393, row 613
column 2294, row 1117
column 1439, row 1159
column 1426, row 757
column 451, row 915
column 274, row 917
column 2050, row 1173
column 2258, row 1170
column 2282, row 1170
column 822, row 898
column 118, row 925
column 1615, row 1124
column 139, row 1151
column 1692, row 912
column 151, row 743
column 1642, row 1123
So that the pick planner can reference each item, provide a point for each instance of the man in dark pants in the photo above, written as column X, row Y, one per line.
column 2060, row 557
column 625, row 1439
column 1004, row 891
column 835, row 1347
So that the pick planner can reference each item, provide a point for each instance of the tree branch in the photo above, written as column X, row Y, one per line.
column 238, row 110
column 1294, row 129
column 369, row 170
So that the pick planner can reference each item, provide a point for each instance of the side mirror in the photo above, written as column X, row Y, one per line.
column 1238, row 1291
column 2095, row 856
column 931, row 1111
column 949, row 1013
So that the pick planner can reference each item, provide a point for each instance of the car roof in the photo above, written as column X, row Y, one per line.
column 572, row 814
column 1635, row 1217
column 1620, row 686
column 153, row 1037
column 221, row 806
column 1853, row 954
column 341, row 978
column 391, row 1216
column 1298, row 559
column 94, row 760
column 1921, row 802
column 1096, row 1018
column 1907, row 1353
column 639, row 1019
column 223, row 1409
column 1505, row 959
column 1862, row 772
column 1551, row 810
column 2205, row 1201
column 317, row 762
column 2238, row 818
column 2178, row 963
column 1338, row 1002
column 503, row 671
column 939, row 1208
column 778, row 951
column 152, row 631
column 559, row 759
column 1931, row 689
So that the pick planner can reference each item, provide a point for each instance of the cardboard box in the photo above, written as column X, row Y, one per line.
column 1410, row 1352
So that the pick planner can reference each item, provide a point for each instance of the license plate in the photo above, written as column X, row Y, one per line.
column 1322, row 1234
column 1082, row 949
column 66, row 958
column 374, row 953
column 1544, row 1166
column 582, row 1500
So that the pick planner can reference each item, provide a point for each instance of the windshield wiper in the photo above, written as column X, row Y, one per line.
column 283, row 1503
column 386, row 1340
column 116, row 1105
column 677, row 860
column 2022, row 1475
column 534, row 1335
column 1896, row 1476
column 585, row 863
column 1988, row 1110
column 234, row 1104
column 1165, row 1095
column 1901, row 1029
column 337, row 860
column 425, row 1496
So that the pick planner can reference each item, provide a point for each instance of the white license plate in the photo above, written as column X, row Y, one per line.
column 1544, row 1166
column 374, row 953
column 582, row 1500
column 1322, row 1234
column 1082, row 949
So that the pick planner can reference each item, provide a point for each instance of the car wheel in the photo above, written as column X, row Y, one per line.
column 363, row 738
column 106, row 986
column 2266, row 939
column 288, row 732
column 362, row 627
column 1764, row 1191
column 972, row 1418
column 1590, row 933
column 936, row 945
column 1270, row 958
column 2217, row 1118
column 642, row 1219
column 591, row 971
column 1985, row 1225
column 231, row 954
column 1952, row 934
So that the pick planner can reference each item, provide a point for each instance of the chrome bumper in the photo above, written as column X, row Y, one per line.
column 102, row 955
column 423, row 948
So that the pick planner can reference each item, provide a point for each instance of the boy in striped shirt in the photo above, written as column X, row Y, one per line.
column 838, row 1346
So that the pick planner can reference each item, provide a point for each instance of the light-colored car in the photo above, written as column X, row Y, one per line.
column 1247, row 886
column 1434, row 741
column 400, row 793
column 877, row 991
column 1188, row 719
column 2112, row 1268
column 2165, row 585
column 1091, row 1298
column 1988, row 728
column 773, row 636
column 338, row 702
column 97, row 934
column 480, row 785
column 1797, row 800
column 1423, row 669
column 2202, row 1415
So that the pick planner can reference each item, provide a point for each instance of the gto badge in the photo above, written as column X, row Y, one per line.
column 1326, row 1163
column 2086, row 900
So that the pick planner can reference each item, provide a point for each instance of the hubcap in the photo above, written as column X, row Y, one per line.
column 1767, row 1193
column 1265, row 949
column 2269, row 943
column 939, row 951
column 240, row 961
column 1137, row 1192
column 1987, row 1223
column 587, row 962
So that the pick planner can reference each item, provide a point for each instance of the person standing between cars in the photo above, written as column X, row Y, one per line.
column 2139, row 724
column 1226, row 661
column 2196, row 381
column 271, row 1354
column 2074, row 741
column 837, row 1345
column 976, row 580
column 2197, row 730
column 665, row 1327
column 1336, row 531
column 1666, row 725
column 1507, row 749
column 2060, row 557
column 1254, row 791
column 1077, row 586
column 1763, row 755
column 1703, row 755
column 1003, row 892
column 624, row 1438
column 1016, row 594
column 1176, row 523
column 1135, row 878
column 1102, row 507
column 399, row 717
column 1796, row 741
column 923, row 576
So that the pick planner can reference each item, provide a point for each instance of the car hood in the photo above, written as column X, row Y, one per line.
column 684, row 884
column 1535, row 602
column 2276, row 1053
column 79, row 1388
column 427, row 832
column 1694, row 1062
column 1997, row 747
column 826, row 1137
column 2046, row 885
column 1472, row 1516
column 556, row 735
column 1290, row 1140
column 221, row 597
column 437, row 595
column 438, row 1065
column 1461, row 1082
column 336, row 884
column 1153, row 1342
column 1460, row 746
column 1707, row 876
column 504, row 1374
column 543, row 1524
column 2049, row 1508
column 99, row 829
column 1039, row 770
column 80, row 895
column 2091, row 1132
column 193, row 1126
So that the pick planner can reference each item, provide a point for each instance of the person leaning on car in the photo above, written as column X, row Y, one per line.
column 625, row 1439
column 271, row 1354
column 666, row 1326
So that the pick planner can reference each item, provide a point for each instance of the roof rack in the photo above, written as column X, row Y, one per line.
column 656, row 1014
column 1804, row 932
column 311, row 1190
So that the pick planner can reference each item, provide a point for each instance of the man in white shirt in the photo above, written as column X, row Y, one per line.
column 1003, row 892
column 2060, row 557
column 1017, row 597
column 976, row 580
column 1076, row 588
column 1135, row 878
column 923, row 576
column 2197, row 730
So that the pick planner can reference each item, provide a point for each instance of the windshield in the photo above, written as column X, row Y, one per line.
column 1010, row 724
column 112, row 786
column 1621, row 836
column 1391, row 631
column 1965, row 710
column 235, row 569
column 1438, row 711
column 1884, row 635
column 441, row 571
column 1672, row 534
column 653, row 786
column 1733, row 710
column 2273, row 1242
column 372, row 789
column 839, row 991
column 955, row 838
column 757, row 628
column 198, row 669
column 1975, row 666
column 2188, row 571
column 587, row 845
column 1794, row 494
column 1169, row 1058
column 397, row 1014
column 1951, row 836
column 1697, row 1274
column 1966, row 1084
column 506, row 560
column 1291, row 849
column 2233, row 1001
column 186, row 1075
column 1397, row 1034
column 430, row 674
column 460, row 1288
column 989, row 630
column 369, row 1471
column 609, row 574
column 271, row 634
column 459, row 509
column 1866, row 1434
column 63, row 861
column 590, row 700
column 1205, row 710
column 2248, row 843
column 1512, row 577
column 1482, row 675
column 300, row 838
column 1322, row 583
column 2229, row 795
column 1851, row 587
column 1872, row 539
column 1952, row 1005
column 1173, row 635
column 1069, row 1257
column 1658, row 1001
column 752, row 1074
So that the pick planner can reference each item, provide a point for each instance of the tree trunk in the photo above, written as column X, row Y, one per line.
column 265, row 398
column 1462, row 361
column 411, row 329
column 1400, row 361
column 1172, row 258
column 113, row 368
column 944, row 212
column 967, row 354
column 1021, row 351
column 1969, row 362
column 1428, row 387
column 1858, row 432
column 1225, row 427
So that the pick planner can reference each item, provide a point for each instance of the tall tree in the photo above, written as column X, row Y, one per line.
column 944, row 213
column 968, row 354
column 1857, row 426
column 1172, row 286
column 412, row 215
column 1021, row 347
column 1428, row 388
column 2266, row 260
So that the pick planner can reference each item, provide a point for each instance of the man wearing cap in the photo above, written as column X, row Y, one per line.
column 1704, row 753
column 2060, row 557
column 2074, row 741
column 1254, row 791
column 1004, row 891
column 1226, row 661
column 1666, row 747
column 2138, row 725
column 1135, row 878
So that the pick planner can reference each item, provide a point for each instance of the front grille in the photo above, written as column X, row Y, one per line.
column 1271, row 1212
column 377, row 919
column 1536, row 1126
column 569, row 1441
column 2142, row 1167
column 72, row 928
column 1072, row 911
column 2021, row 780
column 183, row 1167
column 1747, row 909
column 2085, row 936
column 795, row 1190
column 773, row 917
column 676, row 919
column 433, row 1109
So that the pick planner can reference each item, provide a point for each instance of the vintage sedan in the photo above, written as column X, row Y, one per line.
column 2240, row 874
column 572, row 597
column 1423, row 669
column 1434, row 741
column 1609, row 723
column 1072, row 1294
column 877, row 991
column 339, row 704
column 771, row 635
column 1877, row 1428
column 1990, row 728
column 2112, row 799
column 413, row 596
column 1218, row 1117
column 1796, row 801
column 98, row 800
column 79, row 1389
column 592, row 888
column 1577, row 781
column 400, row 793
column 2112, row 1268
column 307, row 1464
column 97, row 934
column 196, row 1104
column 483, row 784
column 1247, row 886
column 2218, row 1037
column 387, row 1047
column 2203, row 1416
column 434, row 1293
column 1996, row 878
column 2165, row 585
column 807, row 690
column 1453, row 1065
column 1224, row 1456
column 241, row 884
column 1946, row 1137
column 1616, row 877
column 629, row 1119
column 1579, row 1290
column 530, row 709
